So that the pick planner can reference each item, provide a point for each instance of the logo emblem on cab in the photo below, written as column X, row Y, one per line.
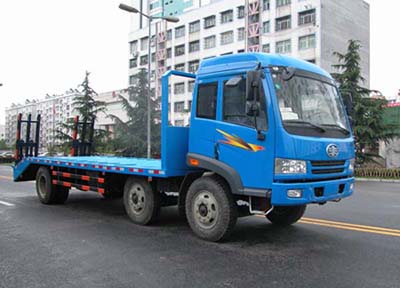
column 332, row 150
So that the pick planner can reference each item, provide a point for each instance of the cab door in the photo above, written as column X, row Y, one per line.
column 236, row 137
column 203, row 118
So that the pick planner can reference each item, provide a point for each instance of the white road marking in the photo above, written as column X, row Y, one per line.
column 7, row 203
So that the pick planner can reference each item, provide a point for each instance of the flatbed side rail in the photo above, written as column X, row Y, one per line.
column 27, row 147
column 173, row 139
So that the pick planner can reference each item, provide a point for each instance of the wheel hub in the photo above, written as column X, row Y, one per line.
column 205, row 210
column 137, row 199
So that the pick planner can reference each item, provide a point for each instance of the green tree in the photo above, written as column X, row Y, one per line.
column 130, row 137
column 3, row 145
column 368, row 125
column 86, row 106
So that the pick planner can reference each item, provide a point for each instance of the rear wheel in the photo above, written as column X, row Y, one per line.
column 141, row 203
column 210, row 209
column 286, row 215
column 46, row 191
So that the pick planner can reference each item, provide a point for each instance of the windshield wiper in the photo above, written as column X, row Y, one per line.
column 307, row 123
column 342, row 129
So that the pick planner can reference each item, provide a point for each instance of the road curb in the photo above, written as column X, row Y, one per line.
column 377, row 180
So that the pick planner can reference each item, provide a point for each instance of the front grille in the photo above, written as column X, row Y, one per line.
column 327, row 167
column 327, row 163
column 328, row 171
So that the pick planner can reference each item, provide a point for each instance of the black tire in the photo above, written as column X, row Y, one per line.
column 46, row 191
column 141, row 203
column 286, row 215
column 61, row 194
column 210, row 208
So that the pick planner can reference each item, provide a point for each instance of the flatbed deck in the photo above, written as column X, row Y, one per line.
column 123, row 165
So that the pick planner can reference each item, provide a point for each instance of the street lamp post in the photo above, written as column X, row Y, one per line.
column 150, row 18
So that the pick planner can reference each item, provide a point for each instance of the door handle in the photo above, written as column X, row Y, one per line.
column 216, row 150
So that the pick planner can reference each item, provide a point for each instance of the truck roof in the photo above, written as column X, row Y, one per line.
column 251, row 60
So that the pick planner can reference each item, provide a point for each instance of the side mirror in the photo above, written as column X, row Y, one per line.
column 252, row 108
column 348, row 103
column 252, row 82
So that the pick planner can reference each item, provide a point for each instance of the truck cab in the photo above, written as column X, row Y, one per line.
column 274, row 128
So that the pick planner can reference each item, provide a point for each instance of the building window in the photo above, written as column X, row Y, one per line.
column 143, row 43
column 179, row 31
column 209, row 42
column 169, row 53
column 193, row 66
column 240, row 12
column 180, row 50
column 266, row 5
column 153, row 57
column 266, row 27
column 194, row 46
column 154, row 5
column 190, row 88
column 283, row 23
column 226, row 16
column 194, row 26
column 307, row 17
column 179, row 123
column 179, row 88
column 280, row 3
column 133, row 63
column 189, row 105
column 226, row 37
column 307, row 42
column 169, row 34
column 133, row 46
column 180, row 67
column 284, row 47
column 143, row 60
column 240, row 34
column 132, row 80
column 266, row 48
column 207, row 100
column 209, row 22
column 179, row 106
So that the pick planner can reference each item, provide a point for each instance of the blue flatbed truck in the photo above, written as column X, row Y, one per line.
column 268, row 135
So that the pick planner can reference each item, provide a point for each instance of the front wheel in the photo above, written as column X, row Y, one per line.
column 286, row 215
column 141, row 202
column 210, row 208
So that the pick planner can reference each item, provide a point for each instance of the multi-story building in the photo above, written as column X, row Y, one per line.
column 29, row 107
column 59, row 109
column 2, row 132
column 308, row 29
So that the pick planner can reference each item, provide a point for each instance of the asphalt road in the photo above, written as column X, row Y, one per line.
column 89, row 242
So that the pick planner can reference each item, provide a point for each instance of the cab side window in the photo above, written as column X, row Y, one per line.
column 234, row 106
column 207, row 100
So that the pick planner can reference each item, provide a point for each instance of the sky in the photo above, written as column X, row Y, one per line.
column 47, row 45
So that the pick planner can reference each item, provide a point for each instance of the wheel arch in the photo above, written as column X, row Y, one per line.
column 230, row 175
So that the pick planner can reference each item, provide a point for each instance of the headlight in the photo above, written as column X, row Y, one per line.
column 351, row 165
column 289, row 166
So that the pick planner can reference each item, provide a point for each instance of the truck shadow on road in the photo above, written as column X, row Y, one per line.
column 249, row 231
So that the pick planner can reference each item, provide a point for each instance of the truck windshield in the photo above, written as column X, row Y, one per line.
column 309, row 106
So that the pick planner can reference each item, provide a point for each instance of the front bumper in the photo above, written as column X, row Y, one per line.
column 311, row 192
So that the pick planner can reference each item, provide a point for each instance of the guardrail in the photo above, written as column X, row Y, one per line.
column 384, row 173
